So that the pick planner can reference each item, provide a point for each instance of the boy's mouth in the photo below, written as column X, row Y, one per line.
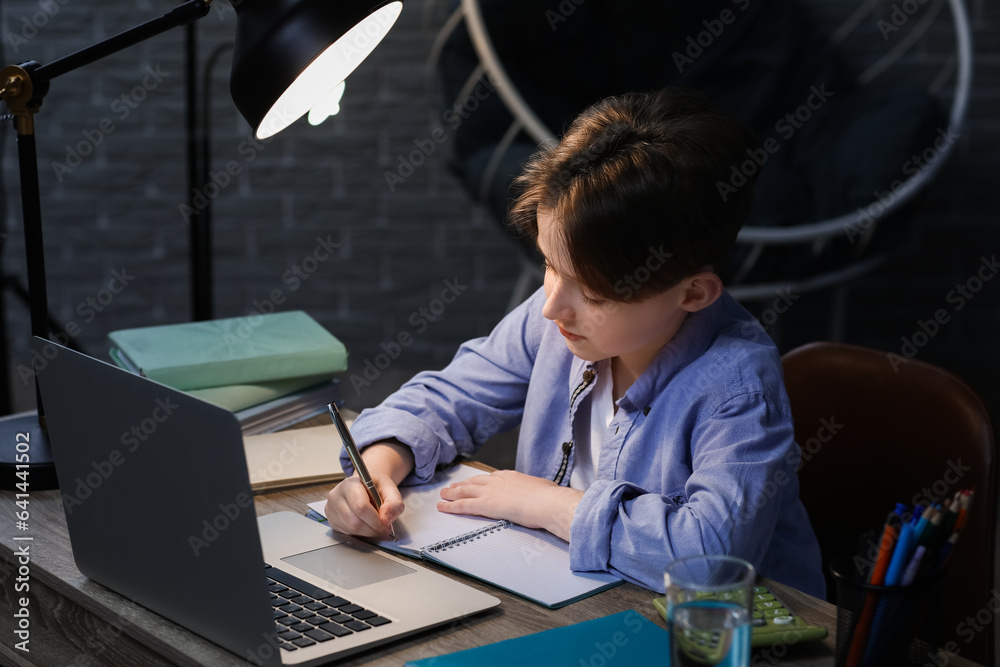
column 568, row 335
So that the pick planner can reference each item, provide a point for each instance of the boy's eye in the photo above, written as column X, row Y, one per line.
column 591, row 301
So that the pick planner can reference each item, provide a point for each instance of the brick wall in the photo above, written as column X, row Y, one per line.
column 114, row 203
column 118, row 207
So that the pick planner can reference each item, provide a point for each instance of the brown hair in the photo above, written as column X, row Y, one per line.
column 637, row 177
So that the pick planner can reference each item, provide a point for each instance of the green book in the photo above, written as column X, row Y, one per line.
column 236, row 397
column 233, row 351
column 627, row 638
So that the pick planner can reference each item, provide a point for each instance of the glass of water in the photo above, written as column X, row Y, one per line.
column 708, row 611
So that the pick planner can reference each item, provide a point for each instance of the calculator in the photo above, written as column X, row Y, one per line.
column 772, row 623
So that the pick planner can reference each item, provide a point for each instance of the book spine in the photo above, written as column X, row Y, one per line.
column 251, row 370
column 472, row 535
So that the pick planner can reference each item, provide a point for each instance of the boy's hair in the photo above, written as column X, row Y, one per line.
column 635, row 178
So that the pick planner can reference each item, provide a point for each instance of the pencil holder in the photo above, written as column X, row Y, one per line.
column 885, row 626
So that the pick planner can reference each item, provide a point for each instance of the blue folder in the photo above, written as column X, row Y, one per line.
column 627, row 638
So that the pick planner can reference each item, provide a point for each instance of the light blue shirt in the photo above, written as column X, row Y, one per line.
column 700, row 457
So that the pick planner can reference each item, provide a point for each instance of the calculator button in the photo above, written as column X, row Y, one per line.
column 773, row 604
column 777, row 612
column 763, row 597
column 783, row 620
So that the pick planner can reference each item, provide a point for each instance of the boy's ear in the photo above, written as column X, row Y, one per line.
column 703, row 288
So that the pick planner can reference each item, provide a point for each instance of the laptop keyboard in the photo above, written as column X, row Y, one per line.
column 305, row 615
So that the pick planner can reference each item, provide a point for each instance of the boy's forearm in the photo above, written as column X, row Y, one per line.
column 389, row 457
column 558, row 515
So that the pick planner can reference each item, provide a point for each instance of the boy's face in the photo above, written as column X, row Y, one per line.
column 597, row 328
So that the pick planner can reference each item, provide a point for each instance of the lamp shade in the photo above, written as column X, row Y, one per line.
column 290, row 54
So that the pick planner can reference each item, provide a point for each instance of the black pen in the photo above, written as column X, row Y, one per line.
column 359, row 464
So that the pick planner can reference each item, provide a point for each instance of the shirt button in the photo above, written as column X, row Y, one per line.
column 566, row 446
column 588, row 375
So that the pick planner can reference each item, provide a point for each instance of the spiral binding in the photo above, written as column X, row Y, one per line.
column 473, row 535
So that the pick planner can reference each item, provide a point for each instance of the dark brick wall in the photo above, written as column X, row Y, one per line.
column 119, row 207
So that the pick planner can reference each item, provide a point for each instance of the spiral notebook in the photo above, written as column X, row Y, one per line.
column 527, row 562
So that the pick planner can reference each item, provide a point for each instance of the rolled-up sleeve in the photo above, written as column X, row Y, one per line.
column 452, row 412
column 730, row 505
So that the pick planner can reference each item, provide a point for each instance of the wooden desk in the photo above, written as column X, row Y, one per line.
column 77, row 622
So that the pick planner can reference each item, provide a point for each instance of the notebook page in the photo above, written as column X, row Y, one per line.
column 531, row 563
column 421, row 523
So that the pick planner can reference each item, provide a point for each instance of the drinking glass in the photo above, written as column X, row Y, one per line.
column 708, row 611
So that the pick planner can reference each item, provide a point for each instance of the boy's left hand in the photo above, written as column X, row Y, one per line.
column 506, row 494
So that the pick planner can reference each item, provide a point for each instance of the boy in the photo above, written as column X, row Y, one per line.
column 654, row 420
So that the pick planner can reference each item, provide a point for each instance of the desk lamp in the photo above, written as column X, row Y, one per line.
column 289, row 55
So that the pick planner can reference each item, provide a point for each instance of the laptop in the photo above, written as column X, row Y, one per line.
column 158, row 505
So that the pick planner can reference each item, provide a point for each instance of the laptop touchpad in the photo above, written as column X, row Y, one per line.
column 348, row 565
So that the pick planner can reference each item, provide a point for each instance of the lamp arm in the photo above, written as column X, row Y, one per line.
column 22, row 87
column 178, row 16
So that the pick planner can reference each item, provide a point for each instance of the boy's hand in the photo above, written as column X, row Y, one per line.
column 350, row 510
column 348, row 507
column 528, row 501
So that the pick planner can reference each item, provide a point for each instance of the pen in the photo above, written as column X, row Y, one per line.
column 901, row 555
column 963, row 512
column 357, row 461
column 886, row 546
column 911, row 569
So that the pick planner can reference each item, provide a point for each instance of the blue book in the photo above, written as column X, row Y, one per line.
column 626, row 638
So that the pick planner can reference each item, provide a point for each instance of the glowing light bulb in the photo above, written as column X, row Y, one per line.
column 328, row 106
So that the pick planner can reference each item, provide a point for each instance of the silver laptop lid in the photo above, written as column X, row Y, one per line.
column 157, row 498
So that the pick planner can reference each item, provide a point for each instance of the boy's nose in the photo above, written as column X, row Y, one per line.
column 557, row 306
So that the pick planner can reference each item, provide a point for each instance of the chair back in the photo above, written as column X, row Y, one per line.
column 877, row 429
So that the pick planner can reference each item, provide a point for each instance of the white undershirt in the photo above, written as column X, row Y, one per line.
column 588, row 445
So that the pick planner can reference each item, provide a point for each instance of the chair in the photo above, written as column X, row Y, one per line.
column 876, row 430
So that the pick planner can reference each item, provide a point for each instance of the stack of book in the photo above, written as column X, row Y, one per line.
column 271, row 370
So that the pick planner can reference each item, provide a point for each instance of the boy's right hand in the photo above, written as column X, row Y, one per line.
column 349, row 509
